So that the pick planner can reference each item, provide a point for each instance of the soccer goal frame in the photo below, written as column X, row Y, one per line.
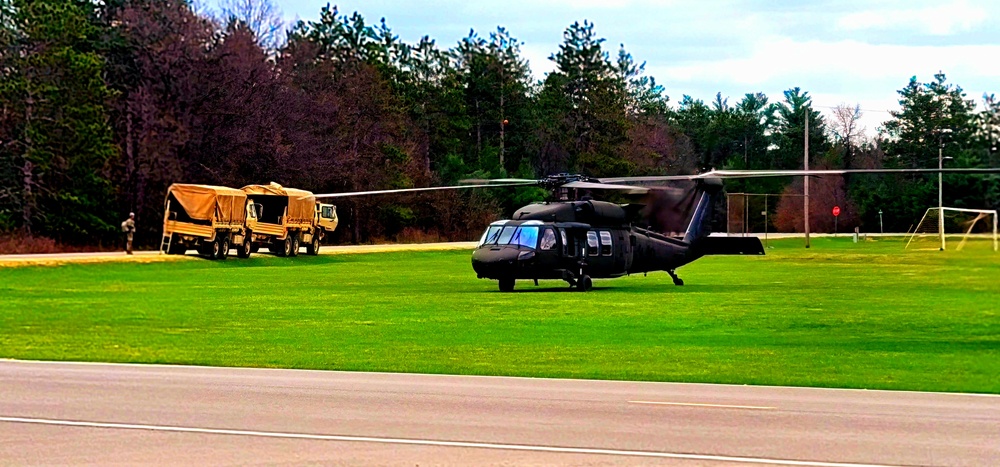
column 967, row 232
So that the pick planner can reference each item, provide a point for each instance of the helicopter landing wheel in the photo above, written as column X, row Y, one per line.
column 507, row 284
column 585, row 284
column 677, row 280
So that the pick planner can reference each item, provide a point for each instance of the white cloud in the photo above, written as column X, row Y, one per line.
column 851, row 63
column 945, row 19
column 538, row 60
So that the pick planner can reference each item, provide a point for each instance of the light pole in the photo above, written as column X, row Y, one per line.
column 941, row 134
column 805, row 179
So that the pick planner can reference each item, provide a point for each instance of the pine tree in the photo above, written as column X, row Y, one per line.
column 55, row 98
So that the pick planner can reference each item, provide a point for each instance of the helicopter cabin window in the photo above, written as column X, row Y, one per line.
column 525, row 236
column 605, row 243
column 592, row 243
column 548, row 240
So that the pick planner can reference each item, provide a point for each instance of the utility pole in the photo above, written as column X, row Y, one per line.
column 805, row 219
column 940, row 190
column 941, row 134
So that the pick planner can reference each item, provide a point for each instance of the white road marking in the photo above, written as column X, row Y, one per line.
column 691, row 404
column 427, row 442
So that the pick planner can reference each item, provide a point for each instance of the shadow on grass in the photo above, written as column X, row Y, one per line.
column 263, row 259
column 666, row 288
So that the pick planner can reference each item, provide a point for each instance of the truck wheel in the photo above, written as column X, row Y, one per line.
column 286, row 247
column 176, row 247
column 224, row 248
column 295, row 245
column 212, row 251
column 313, row 247
column 245, row 249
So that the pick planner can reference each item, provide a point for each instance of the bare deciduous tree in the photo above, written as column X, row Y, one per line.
column 261, row 16
column 846, row 130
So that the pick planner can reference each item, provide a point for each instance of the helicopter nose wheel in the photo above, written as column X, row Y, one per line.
column 673, row 275
column 507, row 284
column 584, row 284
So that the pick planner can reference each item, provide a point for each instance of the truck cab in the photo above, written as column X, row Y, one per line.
column 326, row 216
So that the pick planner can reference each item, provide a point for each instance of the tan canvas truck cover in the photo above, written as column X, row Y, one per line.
column 301, row 203
column 210, row 203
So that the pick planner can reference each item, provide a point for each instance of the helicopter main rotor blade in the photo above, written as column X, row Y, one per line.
column 793, row 173
column 498, row 181
column 649, row 179
column 633, row 190
column 416, row 190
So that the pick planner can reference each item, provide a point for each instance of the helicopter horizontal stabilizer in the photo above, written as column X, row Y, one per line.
column 729, row 246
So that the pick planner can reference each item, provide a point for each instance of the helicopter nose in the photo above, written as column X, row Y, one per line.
column 495, row 262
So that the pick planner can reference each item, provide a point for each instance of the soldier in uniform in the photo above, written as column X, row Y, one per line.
column 128, row 227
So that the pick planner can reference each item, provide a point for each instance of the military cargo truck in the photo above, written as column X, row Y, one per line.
column 210, row 219
column 288, row 218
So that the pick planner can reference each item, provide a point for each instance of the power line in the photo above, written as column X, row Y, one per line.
column 852, row 108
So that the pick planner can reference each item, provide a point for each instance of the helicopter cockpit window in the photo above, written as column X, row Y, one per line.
column 506, row 234
column 525, row 236
column 592, row 243
column 605, row 243
column 548, row 240
column 491, row 235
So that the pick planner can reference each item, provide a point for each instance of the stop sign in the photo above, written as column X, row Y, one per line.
column 836, row 211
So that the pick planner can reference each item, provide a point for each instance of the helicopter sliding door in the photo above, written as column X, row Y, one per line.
column 604, row 257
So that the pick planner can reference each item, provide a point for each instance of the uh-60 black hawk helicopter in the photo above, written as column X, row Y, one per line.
column 578, row 240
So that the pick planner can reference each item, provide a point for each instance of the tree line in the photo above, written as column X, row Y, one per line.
column 104, row 104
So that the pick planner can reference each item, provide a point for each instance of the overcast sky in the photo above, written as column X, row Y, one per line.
column 854, row 52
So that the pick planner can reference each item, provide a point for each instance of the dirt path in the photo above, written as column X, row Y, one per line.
column 154, row 256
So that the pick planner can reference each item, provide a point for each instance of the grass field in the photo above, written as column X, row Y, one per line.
column 866, row 315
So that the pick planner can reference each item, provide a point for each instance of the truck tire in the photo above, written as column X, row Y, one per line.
column 295, row 245
column 246, row 248
column 176, row 247
column 286, row 247
column 313, row 247
column 212, row 249
column 223, row 247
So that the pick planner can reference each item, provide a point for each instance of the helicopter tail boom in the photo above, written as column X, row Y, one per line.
column 728, row 246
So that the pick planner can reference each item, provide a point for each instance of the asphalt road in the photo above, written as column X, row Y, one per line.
column 72, row 413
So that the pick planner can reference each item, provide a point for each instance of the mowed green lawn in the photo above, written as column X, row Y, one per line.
column 867, row 315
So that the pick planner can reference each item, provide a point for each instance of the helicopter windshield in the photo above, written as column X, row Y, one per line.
column 491, row 235
column 524, row 235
